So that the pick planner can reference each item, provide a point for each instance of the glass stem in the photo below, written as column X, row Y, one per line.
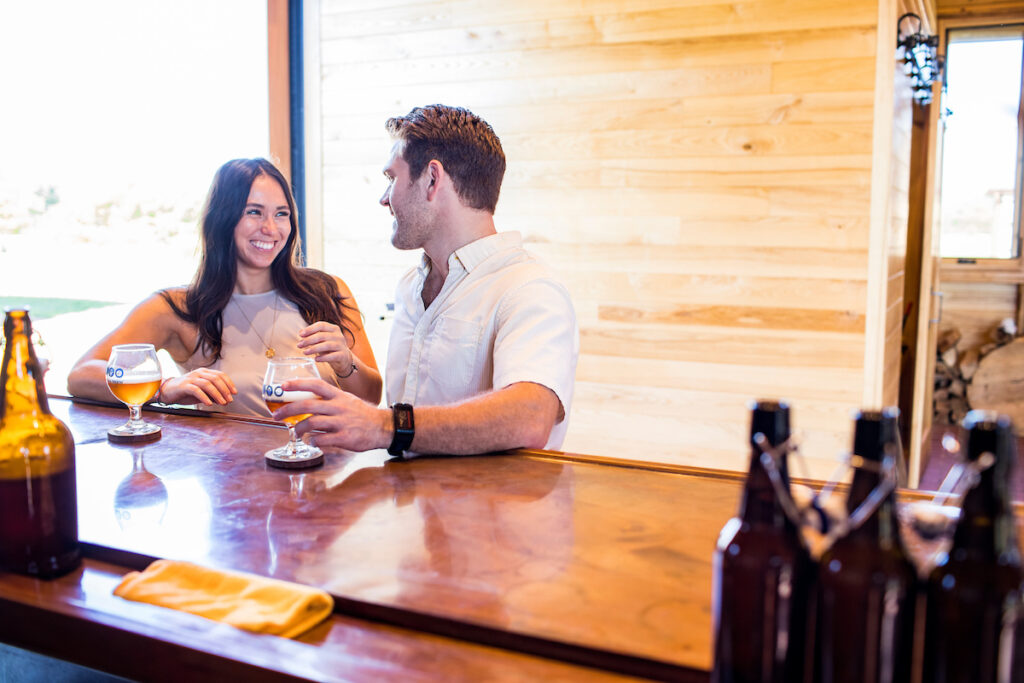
column 293, row 441
column 134, row 415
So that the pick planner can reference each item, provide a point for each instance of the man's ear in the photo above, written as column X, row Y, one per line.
column 434, row 172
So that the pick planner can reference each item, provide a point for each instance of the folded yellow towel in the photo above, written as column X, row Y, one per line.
column 254, row 603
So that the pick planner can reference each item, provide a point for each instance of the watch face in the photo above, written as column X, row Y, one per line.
column 404, row 430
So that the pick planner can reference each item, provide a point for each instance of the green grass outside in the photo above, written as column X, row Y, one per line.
column 41, row 308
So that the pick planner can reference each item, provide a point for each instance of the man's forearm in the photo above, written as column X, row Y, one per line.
column 518, row 416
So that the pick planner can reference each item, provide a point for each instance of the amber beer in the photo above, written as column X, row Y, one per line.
column 761, row 573
column 134, row 392
column 276, row 398
column 974, row 628
column 866, row 582
column 38, row 500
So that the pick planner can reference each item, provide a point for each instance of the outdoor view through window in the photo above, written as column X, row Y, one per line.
column 115, row 117
column 981, row 145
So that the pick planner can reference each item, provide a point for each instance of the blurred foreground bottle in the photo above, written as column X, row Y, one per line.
column 974, row 631
column 38, row 501
column 761, row 570
column 866, row 582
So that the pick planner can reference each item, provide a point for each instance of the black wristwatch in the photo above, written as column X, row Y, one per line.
column 405, row 430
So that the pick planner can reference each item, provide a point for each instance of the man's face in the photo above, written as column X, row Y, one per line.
column 406, row 199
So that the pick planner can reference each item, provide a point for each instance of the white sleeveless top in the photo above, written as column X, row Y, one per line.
column 243, row 355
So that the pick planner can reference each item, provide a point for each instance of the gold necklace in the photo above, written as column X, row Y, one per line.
column 270, row 352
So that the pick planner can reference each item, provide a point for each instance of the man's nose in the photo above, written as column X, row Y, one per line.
column 385, row 199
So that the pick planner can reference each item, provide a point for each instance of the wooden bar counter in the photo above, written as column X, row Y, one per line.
column 529, row 565
column 500, row 566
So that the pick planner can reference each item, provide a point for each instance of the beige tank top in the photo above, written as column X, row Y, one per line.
column 243, row 355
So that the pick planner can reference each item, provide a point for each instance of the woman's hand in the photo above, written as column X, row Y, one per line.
column 327, row 343
column 202, row 385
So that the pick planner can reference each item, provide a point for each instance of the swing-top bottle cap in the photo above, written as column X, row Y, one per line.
column 989, row 432
column 873, row 430
column 771, row 418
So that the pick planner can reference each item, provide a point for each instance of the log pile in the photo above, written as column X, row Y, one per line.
column 955, row 369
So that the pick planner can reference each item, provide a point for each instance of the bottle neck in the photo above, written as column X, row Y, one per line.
column 21, row 379
column 760, row 504
column 882, row 526
column 987, row 526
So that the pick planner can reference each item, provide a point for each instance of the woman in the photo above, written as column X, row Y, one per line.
column 249, row 301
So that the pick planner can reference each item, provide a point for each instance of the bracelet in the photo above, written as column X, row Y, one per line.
column 349, row 373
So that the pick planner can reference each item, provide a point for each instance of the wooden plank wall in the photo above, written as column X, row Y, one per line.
column 977, row 8
column 699, row 171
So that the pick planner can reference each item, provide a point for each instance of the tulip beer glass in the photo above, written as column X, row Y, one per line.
column 295, row 453
column 133, row 375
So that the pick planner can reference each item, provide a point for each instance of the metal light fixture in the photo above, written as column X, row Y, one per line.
column 920, row 61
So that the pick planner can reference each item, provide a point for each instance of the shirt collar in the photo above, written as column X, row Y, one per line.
column 478, row 251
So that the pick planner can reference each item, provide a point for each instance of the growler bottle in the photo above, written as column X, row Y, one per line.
column 973, row 624
column 38, row 501
column 761, row 571
column 866, row 587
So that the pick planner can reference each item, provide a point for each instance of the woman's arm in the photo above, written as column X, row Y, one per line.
column 151, row 322
column 325, row 342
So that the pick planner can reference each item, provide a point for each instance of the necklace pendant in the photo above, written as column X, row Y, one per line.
column 270, row 352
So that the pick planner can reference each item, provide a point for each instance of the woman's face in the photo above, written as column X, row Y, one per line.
column 265, row 225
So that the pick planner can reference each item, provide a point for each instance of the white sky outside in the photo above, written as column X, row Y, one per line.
column 127, row 92
column 980, row 144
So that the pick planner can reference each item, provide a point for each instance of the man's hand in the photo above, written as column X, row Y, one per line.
column 347, row 422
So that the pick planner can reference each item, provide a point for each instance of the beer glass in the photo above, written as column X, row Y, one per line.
column 133, row 375
column 295, row 453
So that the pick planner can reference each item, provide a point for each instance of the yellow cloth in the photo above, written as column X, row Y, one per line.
column 254, row 603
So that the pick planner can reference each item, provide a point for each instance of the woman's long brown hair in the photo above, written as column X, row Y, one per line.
column 314, row 292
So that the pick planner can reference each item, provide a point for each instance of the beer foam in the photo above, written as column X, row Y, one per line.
column 128, row 378
column 289, row 396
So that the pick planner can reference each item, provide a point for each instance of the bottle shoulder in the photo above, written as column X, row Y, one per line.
column 43, row 440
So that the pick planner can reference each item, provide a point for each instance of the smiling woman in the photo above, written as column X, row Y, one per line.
column 250, row 300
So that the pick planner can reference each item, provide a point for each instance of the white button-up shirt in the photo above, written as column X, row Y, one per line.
column 501, row 317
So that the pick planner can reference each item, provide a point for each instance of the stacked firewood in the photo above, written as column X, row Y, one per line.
column 954, row 369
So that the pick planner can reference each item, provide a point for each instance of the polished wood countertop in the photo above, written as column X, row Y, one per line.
column 543, row 555
column 531, row 564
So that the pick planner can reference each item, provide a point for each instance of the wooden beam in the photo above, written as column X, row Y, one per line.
column 277, row 91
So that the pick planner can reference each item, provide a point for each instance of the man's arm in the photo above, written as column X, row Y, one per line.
column 520, row 415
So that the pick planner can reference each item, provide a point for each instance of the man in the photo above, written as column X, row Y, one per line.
column 484, row 345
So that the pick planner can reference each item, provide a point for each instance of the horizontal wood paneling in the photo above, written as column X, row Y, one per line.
column 979, row 8
column 975, row 308
column 699, row 172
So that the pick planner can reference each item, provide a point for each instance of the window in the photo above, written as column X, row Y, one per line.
column 116, row 116
column 980, row 208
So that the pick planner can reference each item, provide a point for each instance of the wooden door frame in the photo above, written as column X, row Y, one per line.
column 293, row 56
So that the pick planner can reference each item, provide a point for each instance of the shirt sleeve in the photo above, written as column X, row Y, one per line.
column 537, row 339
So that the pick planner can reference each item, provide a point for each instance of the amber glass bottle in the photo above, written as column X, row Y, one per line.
column 866, row 582
column 38, row 501
column 761, row 574
column 974, row 627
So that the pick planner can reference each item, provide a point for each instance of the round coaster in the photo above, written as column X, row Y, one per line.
column 133, row 438
column 288, row 464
